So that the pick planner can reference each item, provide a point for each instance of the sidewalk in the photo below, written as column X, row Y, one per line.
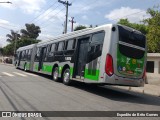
column 147, row 89
column 152, row 88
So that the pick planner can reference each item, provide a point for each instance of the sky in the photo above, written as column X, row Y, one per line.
column 50, row 14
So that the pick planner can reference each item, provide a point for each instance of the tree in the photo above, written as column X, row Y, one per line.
column 9, row 49
column 141, row 27
column 31, row 31
column 13, row 36
column 26, row 41
column 1, row 51
column 80, row 27
column 153, row 35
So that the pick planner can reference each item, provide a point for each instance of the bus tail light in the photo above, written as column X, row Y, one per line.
column 109, row 65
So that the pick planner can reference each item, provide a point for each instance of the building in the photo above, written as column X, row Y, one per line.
column 153, row 68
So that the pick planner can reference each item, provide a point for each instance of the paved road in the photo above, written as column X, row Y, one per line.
column 21, row 91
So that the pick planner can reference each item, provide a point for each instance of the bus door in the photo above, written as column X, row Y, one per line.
column 19, row 57
column 81, row 57
column 42, row 57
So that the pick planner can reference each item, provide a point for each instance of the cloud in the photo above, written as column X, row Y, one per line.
column 84, row 17
column 84, row 7
column 27, row 6
column 3, row 41
column 7, row 25
column 133, row 15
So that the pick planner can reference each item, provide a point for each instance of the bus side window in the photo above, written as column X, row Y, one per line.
column 52, row 49
column 29, row 54
column 95, row 50
column 98, row 38
column 60, row 46
column 26, row 55
column 47, row 52
column 69, row 45
column 23, row 55
column 37, row 54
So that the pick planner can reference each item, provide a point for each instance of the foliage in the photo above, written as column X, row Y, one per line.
column 31, row 31
column 13, row 36
column 1, row 51
column 141, row 27
column 153, row 35
column 26, row 41
column 80, row 27
column 9, row 49
column 150, row 27
column 28, row 36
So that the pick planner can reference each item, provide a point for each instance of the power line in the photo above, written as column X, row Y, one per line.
column 52, row 17
column 43, row 12
column 47, row 13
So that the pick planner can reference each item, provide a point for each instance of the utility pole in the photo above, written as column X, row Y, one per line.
column 72, row 22
column 15, row 43
column 63, row 27
column 66, row 3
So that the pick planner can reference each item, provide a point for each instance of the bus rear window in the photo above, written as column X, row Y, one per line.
column 127, row 35
column 131, row 52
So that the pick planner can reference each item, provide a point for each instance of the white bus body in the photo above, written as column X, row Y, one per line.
column 109, row 54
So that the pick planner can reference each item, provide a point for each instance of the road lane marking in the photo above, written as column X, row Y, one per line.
column 20, row 74
column 8, row 74
column 31, row 74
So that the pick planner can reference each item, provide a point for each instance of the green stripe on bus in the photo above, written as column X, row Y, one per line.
column 36, row 67
column 71, row 71
column 47, row 68
column 28, row 65
column 94, row 77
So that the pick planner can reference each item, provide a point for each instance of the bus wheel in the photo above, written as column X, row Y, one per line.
column 25, row 67
column 55, row 74
column 66, row 77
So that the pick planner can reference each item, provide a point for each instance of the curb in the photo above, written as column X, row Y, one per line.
column 139, row 90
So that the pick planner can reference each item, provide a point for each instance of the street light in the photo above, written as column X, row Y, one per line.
column 7, row 2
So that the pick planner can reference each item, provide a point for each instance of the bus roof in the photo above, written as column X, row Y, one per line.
column 67, row 36
column 75, row 34
column 26, row 47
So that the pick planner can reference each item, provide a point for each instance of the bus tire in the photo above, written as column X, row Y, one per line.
column 66, row 77
column 55, row 74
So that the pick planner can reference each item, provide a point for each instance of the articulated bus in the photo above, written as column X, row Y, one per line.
column 110, row 54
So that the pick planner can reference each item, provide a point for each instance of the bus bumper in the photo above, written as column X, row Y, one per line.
column 122, row 81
